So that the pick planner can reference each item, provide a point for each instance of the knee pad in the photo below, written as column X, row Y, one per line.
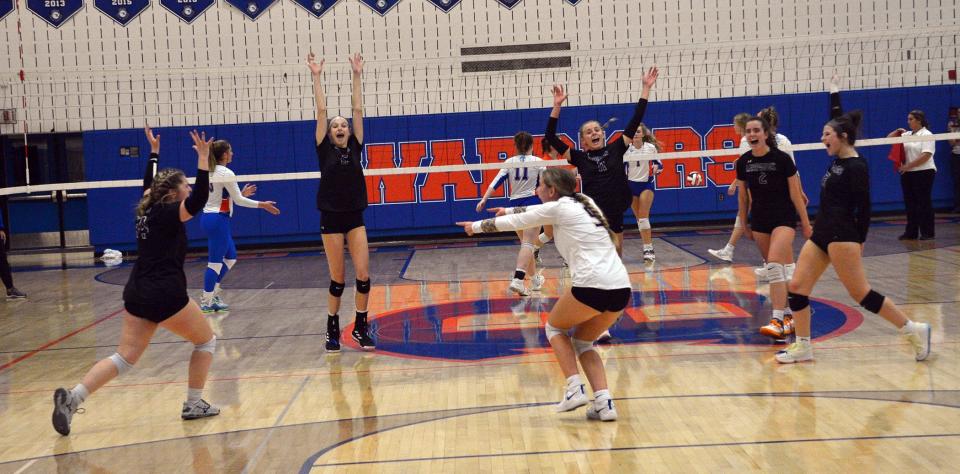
column 582, row 346
column 208, row 346
column 552, row 331
column 873, row 302
column 363, row 287
column 120, row 363
column 544, row 238
column 216, row 267
column 336, row 288
column 528, row 245
column 775, row 273
column 229, row 262
column 797, row 302
column 643, row 224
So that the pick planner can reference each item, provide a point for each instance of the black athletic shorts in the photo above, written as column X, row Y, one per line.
column 765, row 225
column 603, row 300
column 340, row 222
column 157, row 313
column 614, row 215
column 823, row 238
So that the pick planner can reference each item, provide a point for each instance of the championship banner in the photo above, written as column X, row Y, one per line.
column 55, row 12
column 380, row 6
column 509, row 3
column 251, row 8
column 445, row 5
column 316, row 7
column 6, row 6
column 187, row 10
column 122, row 11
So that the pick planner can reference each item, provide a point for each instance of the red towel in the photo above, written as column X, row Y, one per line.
column 897, row 156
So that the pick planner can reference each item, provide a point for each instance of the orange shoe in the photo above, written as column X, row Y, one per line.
column 774, row 329
column 787, row 324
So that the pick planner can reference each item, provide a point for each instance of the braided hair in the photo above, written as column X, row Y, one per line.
column 164, row 184
column 564, row 182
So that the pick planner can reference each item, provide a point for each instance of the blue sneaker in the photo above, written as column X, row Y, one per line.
column 218, row 305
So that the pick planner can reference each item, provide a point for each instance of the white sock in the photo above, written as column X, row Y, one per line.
column 778, row 315
column 729, row 248
column 543, row 238
column 907, row 328
column 803, row 339
column 601, row 395
column 80, row 393
column 648, row 246
column 574, row 380
column 193, row 395
column 207, row 295
column 216, row 289
column 787, row 311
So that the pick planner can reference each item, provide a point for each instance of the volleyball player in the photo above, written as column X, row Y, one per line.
column 601, row 165
column 221, row 250
column 341, row 199
column 774, row 205
column 156, row 293
column 838, row 238
column 523, row 184
column 726, row 253
column 600, row 289
column 640, row 176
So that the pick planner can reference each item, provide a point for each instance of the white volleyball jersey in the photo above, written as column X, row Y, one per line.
column 223, row 195
column 639, row 170
column 584, row 244
column 523, row 181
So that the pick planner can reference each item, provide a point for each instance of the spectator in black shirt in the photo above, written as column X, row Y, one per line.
column 601, row 165
column 838, row 237
column 5, row 274
column 156, row 293
column 774, row 203
column 341, row 199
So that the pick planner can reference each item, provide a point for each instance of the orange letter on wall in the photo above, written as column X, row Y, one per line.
column 444, row 153
column 722, row 136
column 494, row 150
column 674, row 170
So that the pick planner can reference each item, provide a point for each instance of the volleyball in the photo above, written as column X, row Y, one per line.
column 694, row 179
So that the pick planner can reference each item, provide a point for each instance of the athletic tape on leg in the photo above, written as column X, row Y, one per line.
column 120, row 363
column 582, row 346
column 552, row 331
column 775, row 273
column 209, row 346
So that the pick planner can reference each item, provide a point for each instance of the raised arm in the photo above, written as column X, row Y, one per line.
column 356, row 64
column 192, row 205
column 649, row 79
column 836, row 109
column 318, row 95
column 151, row 169
column 559, row 97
